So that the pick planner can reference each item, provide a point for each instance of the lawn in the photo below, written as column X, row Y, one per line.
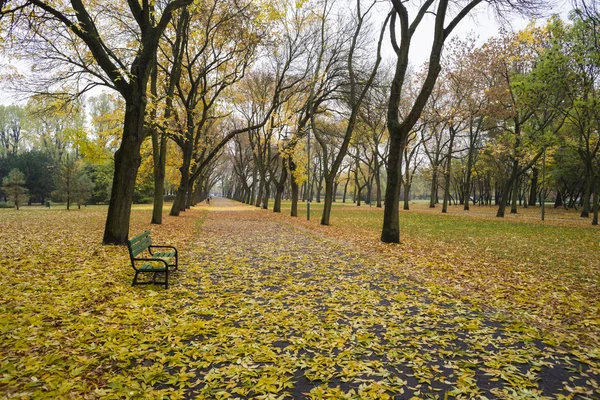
column 545, row 273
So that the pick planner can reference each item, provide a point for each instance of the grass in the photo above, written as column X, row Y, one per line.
column 543, row 273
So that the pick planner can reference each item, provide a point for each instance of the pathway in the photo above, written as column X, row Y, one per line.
column 290, row 313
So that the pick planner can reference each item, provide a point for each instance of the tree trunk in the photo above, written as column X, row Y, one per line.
column 335, row 188
column 595, row 206
column 558, row 202
column 311, row 188
column 253, row 193
column 406, row 195
column 467, row 189
column 189, row 195
column 159, row 150
column 159, row 141
column 433, row 192
column 585, row 211
column 328, row 199
column 319, row 181
column 294, row 209
column 446, row 190
column 533, row 190
column 448, row 170
column 259, row 196
column 525, row 195
column 503, row 198
column 180, row 196
column 265, row 202
column 515, row 195
column 345, row 190
column 357, row 185
column 390, row 232
column 127, row 162
column 497, row 196
column 378, row 181
column 197, row 195
column 346, row 186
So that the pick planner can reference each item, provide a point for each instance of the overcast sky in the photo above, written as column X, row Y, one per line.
column 481, row 22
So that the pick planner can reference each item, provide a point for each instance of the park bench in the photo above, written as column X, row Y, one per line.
column 146, row 259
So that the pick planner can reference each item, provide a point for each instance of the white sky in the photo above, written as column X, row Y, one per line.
column 481, row 22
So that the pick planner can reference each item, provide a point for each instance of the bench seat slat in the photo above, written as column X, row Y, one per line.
column 152, row 268
column 164, row 254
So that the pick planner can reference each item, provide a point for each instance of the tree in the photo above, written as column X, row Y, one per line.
column 55, row 124
column 580, row 53
column 88, row 44
column 73, row 185
column 467, row 100
column 83, row 188
column 14, row 186
column 106, row 112
column 526, row 100
column 357, row 89
column 100, row 175
column 159, row 131
column 39, row 169
column 399, row 128
column 217, row 49
column 66, row 181
column 372, row 116
column 11, row 122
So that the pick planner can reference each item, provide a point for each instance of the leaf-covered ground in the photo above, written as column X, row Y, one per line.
column 261, row 309
column 546, row 274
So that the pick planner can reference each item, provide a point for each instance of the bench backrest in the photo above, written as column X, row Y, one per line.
column 139, row 243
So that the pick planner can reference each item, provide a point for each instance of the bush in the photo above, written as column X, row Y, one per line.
column 6, row 205
column 142, row 198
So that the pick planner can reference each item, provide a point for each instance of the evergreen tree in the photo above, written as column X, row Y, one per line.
column 13, row 186
column 83, row 188
column 65, row 180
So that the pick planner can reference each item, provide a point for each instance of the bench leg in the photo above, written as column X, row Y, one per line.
column 167, row 278
column 135, row 278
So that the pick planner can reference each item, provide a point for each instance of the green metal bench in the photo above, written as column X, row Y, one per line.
column 145, row 259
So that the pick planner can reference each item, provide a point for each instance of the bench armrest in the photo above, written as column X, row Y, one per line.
column 161, row 247
column 152, row 259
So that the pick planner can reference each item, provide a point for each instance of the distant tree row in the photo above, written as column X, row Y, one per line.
column 514, row 121
column 63, row 159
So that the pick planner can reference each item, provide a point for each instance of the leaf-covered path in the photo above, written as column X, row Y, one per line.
column 294, row 313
